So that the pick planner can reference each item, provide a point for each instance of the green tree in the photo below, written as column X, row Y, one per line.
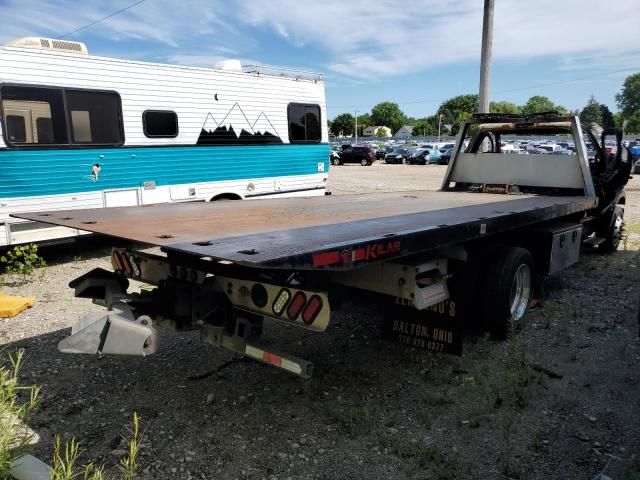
column 591, row 113
column 608, row 120
column 426, row 126
column 504, row 107
column 628, row 99
column 538, row 104
column 364, row 120
column 617, row 120
column 389, row 115
column 343, row 124
column 381, row 133
column 632, row 123
column 457, row 109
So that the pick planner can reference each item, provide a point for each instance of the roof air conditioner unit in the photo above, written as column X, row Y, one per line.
column 50, row 44
column 230, row 65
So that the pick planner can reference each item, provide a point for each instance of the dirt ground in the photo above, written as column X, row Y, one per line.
column 559, row 400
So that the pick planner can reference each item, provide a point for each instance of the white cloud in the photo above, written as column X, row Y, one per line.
column 391, row 37
column 358, row 38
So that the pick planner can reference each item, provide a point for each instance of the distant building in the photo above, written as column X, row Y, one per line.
column 404, row 133
column 373, row 131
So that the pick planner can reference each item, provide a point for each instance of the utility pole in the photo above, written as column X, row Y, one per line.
column 356, row 126
column 439, row 123
column 485, row 59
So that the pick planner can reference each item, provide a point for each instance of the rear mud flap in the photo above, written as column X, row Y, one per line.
column 433, row 330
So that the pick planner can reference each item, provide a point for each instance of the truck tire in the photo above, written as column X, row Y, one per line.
column 613, row 233
column 364, row 162
column 336, row 161
column 508, row 288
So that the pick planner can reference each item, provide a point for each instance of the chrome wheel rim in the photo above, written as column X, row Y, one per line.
column 520, row 292
column 617, row 231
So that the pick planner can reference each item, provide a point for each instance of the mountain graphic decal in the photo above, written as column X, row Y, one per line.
column 236, row 129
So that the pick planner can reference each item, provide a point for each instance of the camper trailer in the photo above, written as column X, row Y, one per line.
column 80, row 131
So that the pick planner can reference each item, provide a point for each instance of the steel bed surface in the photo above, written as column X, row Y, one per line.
column 286, row 233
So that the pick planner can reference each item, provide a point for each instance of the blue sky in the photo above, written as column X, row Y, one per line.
column 416, row 53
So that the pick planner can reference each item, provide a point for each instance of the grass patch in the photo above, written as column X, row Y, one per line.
column 17, row 405
column 355, row 420
column 428, row 461
column 631, row 236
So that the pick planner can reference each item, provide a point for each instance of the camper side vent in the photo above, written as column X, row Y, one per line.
column 50, row 44
column 69, row 46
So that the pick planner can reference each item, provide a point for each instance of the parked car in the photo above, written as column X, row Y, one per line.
column 538, row 151
column 446, row 146
column 445, row 157
column 611, row 150
column 550, row 148
column 397, row 156
column 636, row 167
column 334, row 157
column 417, row 156
column 380, row 154
column 434, row 156
column 362, row 154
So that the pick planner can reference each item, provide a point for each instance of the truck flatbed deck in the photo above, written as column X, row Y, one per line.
column 472, row 253
column 315, row 232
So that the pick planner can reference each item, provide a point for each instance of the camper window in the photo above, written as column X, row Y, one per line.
column 44, row 130
column 95, row 117
column 160, row 124
column 304, row 123
column 16, row 129
column 39, row 115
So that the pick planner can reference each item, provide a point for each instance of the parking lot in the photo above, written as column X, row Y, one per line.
column 558, row 400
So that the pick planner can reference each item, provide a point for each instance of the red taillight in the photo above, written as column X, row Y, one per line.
column 117, row 261
column 370, row 155
column 312, row 310
column 297, row 304
column 126, row 263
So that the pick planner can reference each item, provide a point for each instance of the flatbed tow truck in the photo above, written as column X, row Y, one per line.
column 472, row 253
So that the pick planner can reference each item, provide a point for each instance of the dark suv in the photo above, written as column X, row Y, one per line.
column 361, row 154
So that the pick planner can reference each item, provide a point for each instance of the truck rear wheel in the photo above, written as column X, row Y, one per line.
column 508, row 288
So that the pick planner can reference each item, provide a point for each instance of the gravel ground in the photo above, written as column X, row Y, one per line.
column 559, row 400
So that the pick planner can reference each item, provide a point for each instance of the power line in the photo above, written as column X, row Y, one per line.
column 103, row 19
column 518, row 89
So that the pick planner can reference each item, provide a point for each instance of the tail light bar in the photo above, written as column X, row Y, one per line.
column 308, row 309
